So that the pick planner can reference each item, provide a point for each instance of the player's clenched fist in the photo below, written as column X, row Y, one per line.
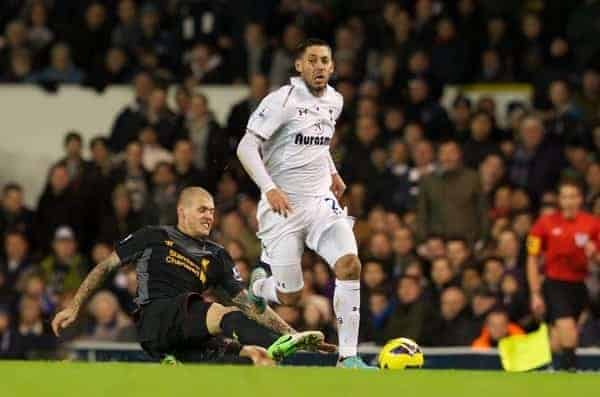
column 63, row 319
column 538, row 306
column 279, row 202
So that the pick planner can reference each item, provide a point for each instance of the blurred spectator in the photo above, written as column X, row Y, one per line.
column 16, row 259
column 374, row 276
column 588, row 97
column 456, row 326
column 493, row 270
column 282, row 63
column 161, row 118
column 14, row 215
column 483, row 302
column 514, row 299
column 122, row 220
column 154, row 40
column 186, row 172
column 76, row 166
column 509, row 250
column 480, row 144
column 133, row 176
column 127, row 33
column 592, row 180
column 324, row 281
column 10, row 346
column 209, row 141
column 58, row 205
column 114, row 68
column 90, row 38
column 317, row 315
column 497, row 326
column 460, row 115
column 537, row 161
column 442, row 276
column 492, row 172
column 152, row 152
column 15, row 39
column 131, row 119
column 233, row 228
column 451, row 202
column 253, row 55
column 19, row 68
column 564, row 119
column 205, row 66
column 109, row 323
column 449, row 54
column 412, row 316
column 61, row 69
column 403, row 248
column 425, row 110
column 162, row 201
column 459, row 254
column 65, row 268
column 380, row 249
column 35, row 337
column 32, row 285
column 241, row 111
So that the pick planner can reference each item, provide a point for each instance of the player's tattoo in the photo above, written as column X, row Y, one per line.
column 94, row 279
column 268, row 318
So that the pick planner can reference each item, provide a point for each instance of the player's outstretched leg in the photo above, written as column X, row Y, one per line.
column 291, row 343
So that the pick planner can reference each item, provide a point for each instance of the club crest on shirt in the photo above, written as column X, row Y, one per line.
column 581, row 239
column 557, row 231
column 302, row 112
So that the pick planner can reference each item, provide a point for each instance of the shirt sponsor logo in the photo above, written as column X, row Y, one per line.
column 301, row 139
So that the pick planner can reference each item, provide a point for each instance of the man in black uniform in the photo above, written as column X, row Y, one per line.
column 174, row 266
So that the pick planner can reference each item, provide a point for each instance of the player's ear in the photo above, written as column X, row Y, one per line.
column 298, row 65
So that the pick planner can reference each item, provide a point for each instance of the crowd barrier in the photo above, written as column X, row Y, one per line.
column 435, row 358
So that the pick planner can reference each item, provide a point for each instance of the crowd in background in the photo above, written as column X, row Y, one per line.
column 444, row 197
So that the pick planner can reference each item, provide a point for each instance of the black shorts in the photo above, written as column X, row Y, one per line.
column 178, row 327
column 564, row 299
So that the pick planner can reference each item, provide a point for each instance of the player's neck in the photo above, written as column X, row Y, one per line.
column 569, row 214
column 317, row 92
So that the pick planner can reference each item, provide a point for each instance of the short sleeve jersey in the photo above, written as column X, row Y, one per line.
column 170, row 263
column 297, row 128
column 562, row 242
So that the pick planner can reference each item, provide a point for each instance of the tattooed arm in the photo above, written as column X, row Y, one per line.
column 93, row 280
column 268, row 318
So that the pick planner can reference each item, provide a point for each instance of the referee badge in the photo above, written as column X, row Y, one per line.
column 581, row 239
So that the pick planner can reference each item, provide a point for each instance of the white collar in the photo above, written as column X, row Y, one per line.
column 298, row 82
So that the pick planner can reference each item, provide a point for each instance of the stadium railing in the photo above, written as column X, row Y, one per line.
column 435, row 358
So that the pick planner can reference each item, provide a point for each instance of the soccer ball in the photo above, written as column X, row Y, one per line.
column 400, row 353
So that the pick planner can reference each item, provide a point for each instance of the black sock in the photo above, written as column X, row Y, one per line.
column 248, row 332
column 569, row 360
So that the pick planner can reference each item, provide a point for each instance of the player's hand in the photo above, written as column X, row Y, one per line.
column 537, row 305
column 338, row 187
column 279, row 202
column 258, row 355
column 590, row 250
column 63, row 319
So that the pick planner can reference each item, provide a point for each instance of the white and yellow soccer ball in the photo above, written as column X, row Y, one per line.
column 401, row 353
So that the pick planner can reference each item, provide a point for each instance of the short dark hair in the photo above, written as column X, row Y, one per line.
column 72, row 135
column 304, row 44
column 10, row 187
column 570, row 182
column 98, row 140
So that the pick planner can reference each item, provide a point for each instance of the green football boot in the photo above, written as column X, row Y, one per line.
column 170, row 360
column 289, row 344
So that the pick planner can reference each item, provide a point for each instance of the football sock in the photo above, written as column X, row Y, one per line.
column 346, row 305
column 265, row 288
column 569, row 360
column 237, row 326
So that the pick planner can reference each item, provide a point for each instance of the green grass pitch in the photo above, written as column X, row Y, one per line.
column 37, row 379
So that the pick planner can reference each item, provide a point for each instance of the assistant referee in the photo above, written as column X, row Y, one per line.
column 567, row 241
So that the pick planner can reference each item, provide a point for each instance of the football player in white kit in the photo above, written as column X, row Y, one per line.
column 286, row 152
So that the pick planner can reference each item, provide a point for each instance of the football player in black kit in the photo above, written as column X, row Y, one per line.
column 175, row 265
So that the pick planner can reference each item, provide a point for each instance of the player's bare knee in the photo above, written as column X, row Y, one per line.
column 289, row 298
column 347, row 267
column 214, row 316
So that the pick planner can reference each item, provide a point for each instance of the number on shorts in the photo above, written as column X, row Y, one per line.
column 336, row 210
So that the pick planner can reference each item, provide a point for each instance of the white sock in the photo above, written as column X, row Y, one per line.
column 346, row 305
column 265, row 288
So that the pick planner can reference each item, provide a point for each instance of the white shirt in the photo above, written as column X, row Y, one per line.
column 297, row 128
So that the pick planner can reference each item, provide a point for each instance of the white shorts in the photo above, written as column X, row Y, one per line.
column 317, row 222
